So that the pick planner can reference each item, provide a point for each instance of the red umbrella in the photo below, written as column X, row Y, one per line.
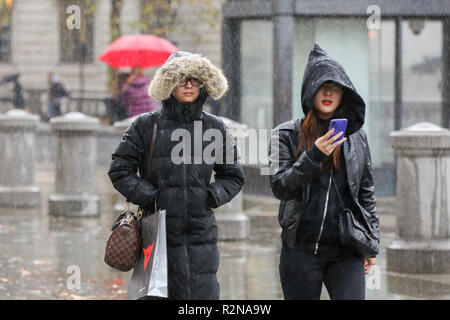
column 138, row 50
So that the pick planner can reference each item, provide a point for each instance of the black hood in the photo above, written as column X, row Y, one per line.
column 321, row 68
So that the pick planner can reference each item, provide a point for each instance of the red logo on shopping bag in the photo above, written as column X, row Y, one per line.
column 147, row 254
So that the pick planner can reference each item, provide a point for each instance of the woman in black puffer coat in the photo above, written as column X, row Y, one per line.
column 182, row 85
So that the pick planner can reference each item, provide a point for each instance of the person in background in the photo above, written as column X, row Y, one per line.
column 135, row 96
column 56, row 93
column 17, row 100
column 115, row 108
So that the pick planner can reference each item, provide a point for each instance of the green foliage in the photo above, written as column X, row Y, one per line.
column 165, row 17
column 5, row 11
column 157, row 17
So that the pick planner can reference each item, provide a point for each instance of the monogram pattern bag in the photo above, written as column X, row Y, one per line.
column 122, row 247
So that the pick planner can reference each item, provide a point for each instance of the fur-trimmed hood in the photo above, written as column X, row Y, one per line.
column 180, row 67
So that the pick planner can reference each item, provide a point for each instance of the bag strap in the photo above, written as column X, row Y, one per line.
column 147, row 175
column 152, row 146
column 337, row 190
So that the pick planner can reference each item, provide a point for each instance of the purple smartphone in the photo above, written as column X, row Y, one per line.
column 339, row 125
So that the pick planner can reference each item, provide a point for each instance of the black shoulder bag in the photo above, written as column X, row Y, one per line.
column 354, row 234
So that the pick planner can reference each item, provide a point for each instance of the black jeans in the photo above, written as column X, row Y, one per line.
column 302, row 274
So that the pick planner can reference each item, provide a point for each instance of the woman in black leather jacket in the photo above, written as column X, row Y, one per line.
column 306, row 160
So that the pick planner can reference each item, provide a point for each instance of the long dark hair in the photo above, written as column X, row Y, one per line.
column 311, row 130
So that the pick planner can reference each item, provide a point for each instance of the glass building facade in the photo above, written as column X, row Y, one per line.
column 368, row 56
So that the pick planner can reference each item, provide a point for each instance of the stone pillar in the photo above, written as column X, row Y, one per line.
column 422, row 242
column 17, row 187
column 230, row 104
column 445, row 120
column 398, row 76
column 283, row 48
column 76, row 155
column 121, row 127
column 233, row 223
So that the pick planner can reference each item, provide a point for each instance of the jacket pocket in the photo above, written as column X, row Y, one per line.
column 212, row 200
column 286, row 212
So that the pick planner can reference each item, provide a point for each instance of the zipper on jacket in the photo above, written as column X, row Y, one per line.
column 324, row 214
column 185, row 113
column 185, row 218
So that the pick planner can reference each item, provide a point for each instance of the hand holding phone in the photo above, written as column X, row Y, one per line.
column 326, row 143
column 339, row 125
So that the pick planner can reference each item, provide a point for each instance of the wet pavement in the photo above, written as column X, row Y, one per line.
column 43, row 257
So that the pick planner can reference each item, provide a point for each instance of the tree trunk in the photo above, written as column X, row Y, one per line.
column 114, row 24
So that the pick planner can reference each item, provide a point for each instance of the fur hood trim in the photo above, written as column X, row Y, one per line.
column 188, row 66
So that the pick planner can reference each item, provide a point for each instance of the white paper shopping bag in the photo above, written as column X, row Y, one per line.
column 150, row 272
column 157, row 286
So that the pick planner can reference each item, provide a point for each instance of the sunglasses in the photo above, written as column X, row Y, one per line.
column 330, row 86
column 194, row 82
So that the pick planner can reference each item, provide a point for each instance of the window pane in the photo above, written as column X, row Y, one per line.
column 5, row 43
column 422, row 65
column 361, row 52
column 5, row 31
column 347, row 41
column 257, row 90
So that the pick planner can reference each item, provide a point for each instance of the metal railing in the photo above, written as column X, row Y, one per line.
column 90, row 103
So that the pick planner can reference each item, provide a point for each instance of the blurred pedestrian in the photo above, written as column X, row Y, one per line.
column 135, row 96
column 182, row 85
column 56, row 93
column 314, row 173
column 17, row 100
column 115, row 109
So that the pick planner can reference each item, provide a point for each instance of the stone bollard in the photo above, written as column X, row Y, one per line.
column 76, row 154
column 422, row 242
column 17, row 187
column 121, row 127
column 232, row 222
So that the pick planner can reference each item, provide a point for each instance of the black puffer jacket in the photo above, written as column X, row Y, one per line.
column 184, row 190
column 301, row 183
